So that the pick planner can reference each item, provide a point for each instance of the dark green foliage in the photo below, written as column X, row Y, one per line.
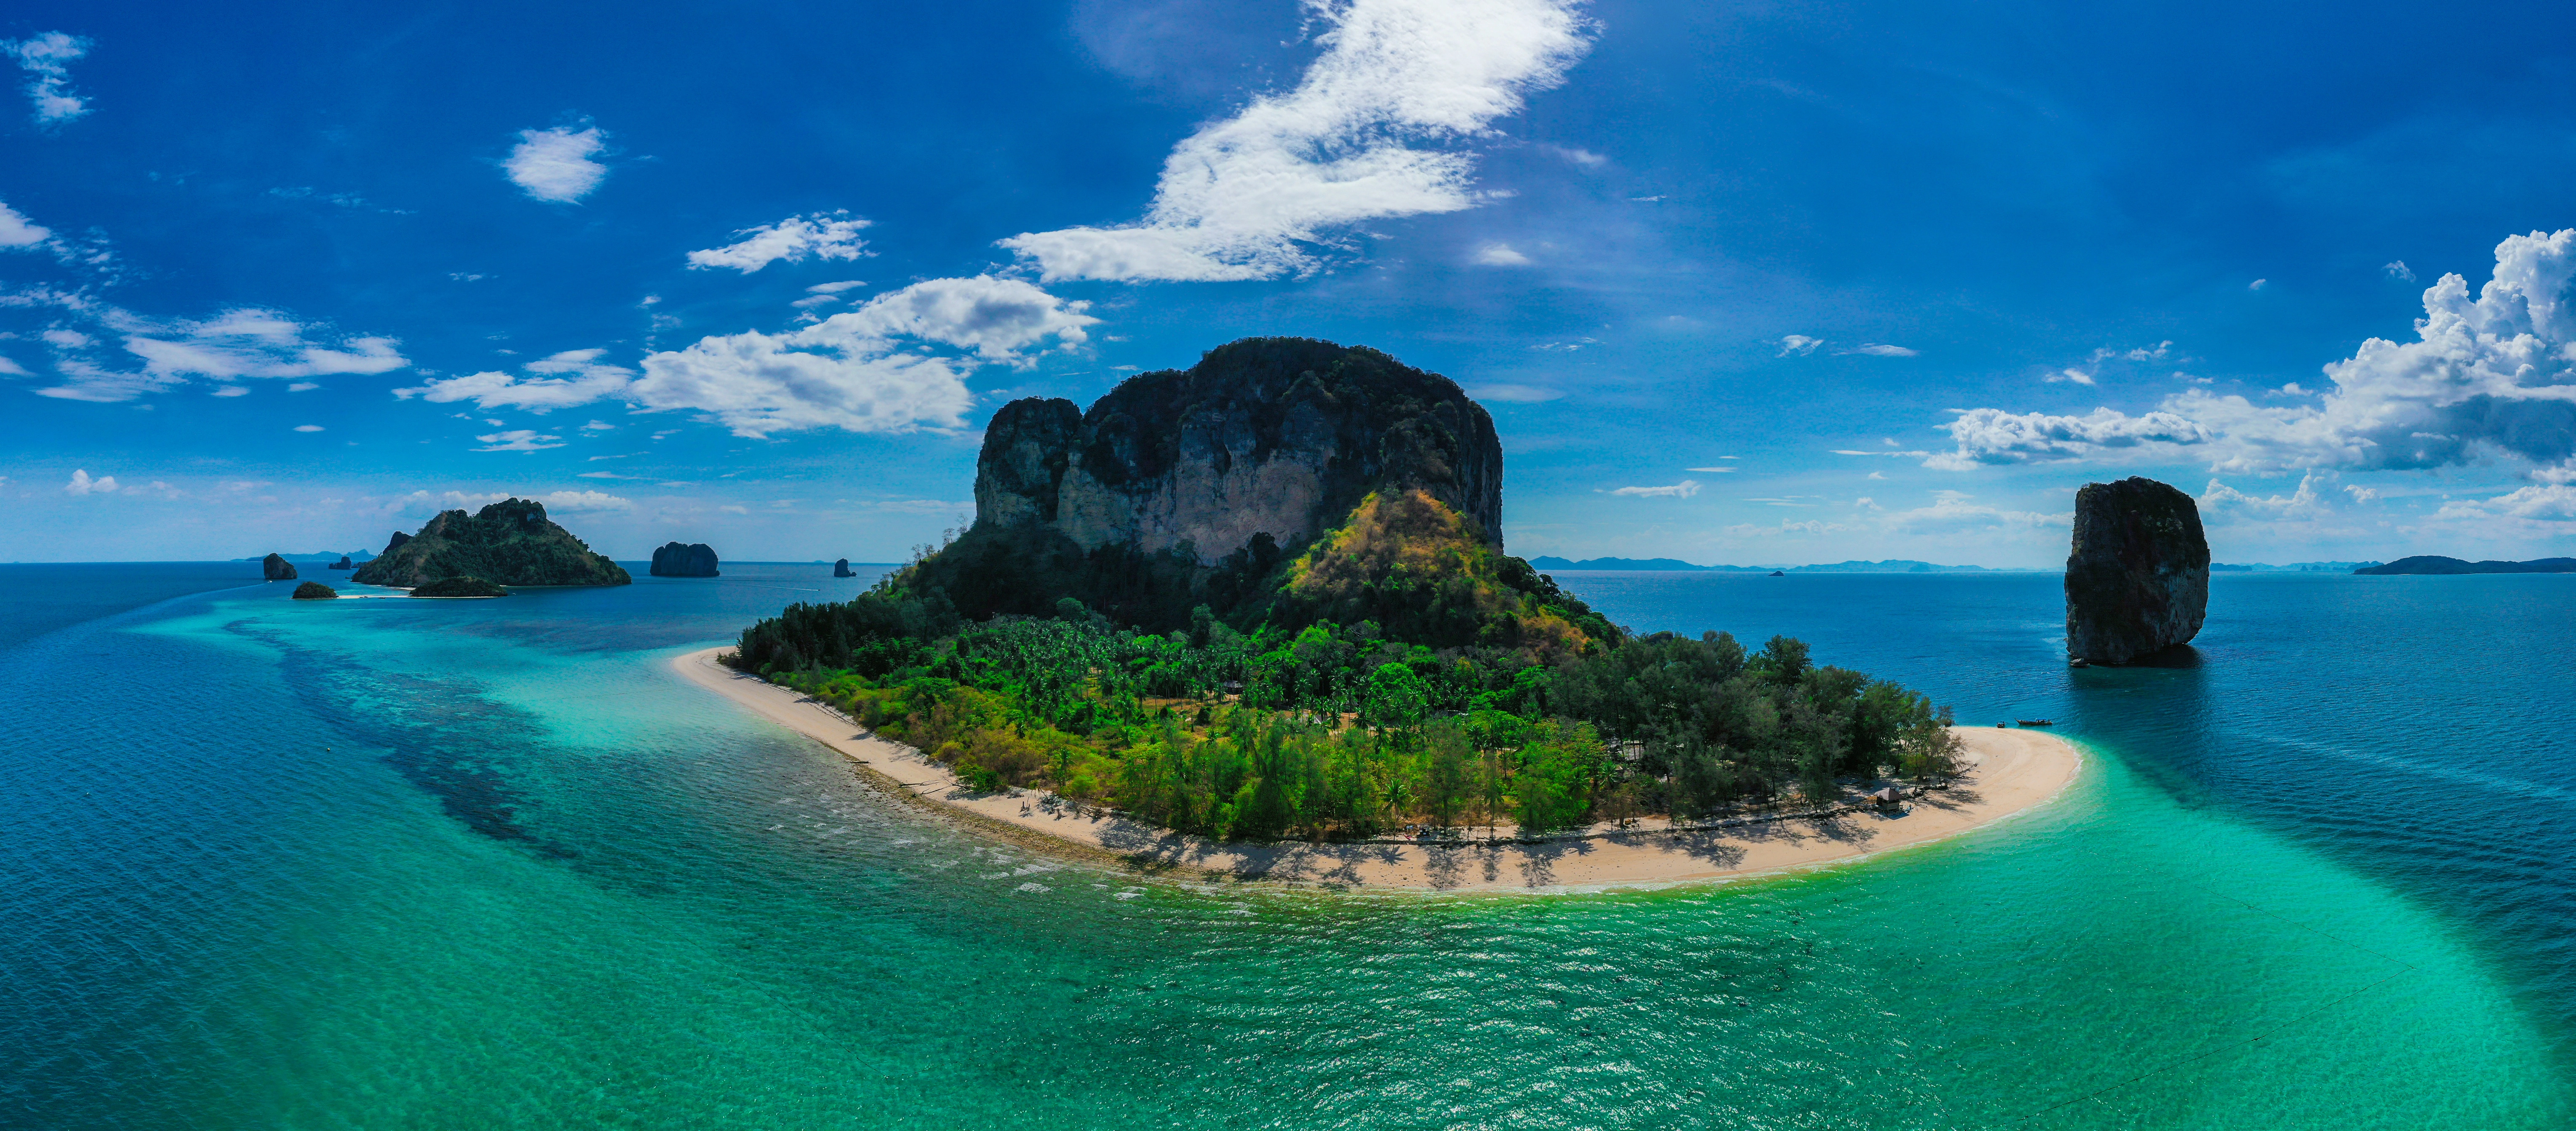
column 459, row 587
column 315, row 591
column 510, row 542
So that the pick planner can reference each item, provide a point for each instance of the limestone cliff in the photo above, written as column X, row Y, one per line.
column 676, row 560
column 510, row 542
column 2137, row 575
column 1188, row 487
column 276, row 568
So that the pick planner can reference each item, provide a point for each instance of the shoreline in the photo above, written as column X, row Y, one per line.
column 2011, row 771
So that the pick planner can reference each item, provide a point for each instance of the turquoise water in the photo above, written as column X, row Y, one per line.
column 439, row 864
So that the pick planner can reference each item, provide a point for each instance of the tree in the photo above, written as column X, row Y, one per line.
column 1396, row 698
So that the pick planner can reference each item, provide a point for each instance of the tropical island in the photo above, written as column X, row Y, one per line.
column 1260, row 607
column 510, row 542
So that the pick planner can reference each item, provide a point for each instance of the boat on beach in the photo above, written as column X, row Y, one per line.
column 2034, row 722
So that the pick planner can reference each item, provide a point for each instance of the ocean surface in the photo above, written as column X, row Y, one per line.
column 441, row 864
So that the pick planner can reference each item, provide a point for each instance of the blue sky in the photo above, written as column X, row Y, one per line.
column 1740, row 283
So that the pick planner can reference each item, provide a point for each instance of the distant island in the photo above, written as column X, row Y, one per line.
column 511, row 542
column 325, row 557
column 2293, row 567
column 1266, row 598
column 1893, row 565
column 2429, row 564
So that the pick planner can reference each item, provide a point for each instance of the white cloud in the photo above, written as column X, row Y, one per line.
column 1237, row 199
column 1875, row 349
column 302, row 387
column 2361, row 494
column 1682, row 490
column 2155, row 352
column 563, row 501
column 16, row 230
column 231, row 391
column 2397, row 269
column 1951, row 512
column 598, row 426
column 1583, row 157
column 856, row 370
column 584, row 501
column 82, row 484
column 2258, row 284
column 2077, row 376
column 48, row 58
column 821, row 236
column 13, row 369
column 836, row 287
column 555, row 164
column 2493, row 374
column 1498, row 255
column 518, row 440
column 308, row 427
column 1799, row 344
column 242, row 343
column 2220, row 499
column 1718, row 470
column 1786, row 527
column 1514, row 394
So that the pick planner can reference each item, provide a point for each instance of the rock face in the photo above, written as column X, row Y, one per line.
column 315, row 591
column 676, row 560
column 1277, row 436
column 2137, row 577
column 509, row 542
column 842, row 568
column 344, row 563
column 276, row 568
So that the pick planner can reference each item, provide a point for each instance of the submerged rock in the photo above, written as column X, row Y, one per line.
column 276, row 568
column 315, row 591
column 2137, row 574
column 676, row 560
column 460, row 587
column 842, row 568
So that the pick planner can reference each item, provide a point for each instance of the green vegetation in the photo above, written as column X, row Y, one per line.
column 315, row 591
column 512, row 542
column 460, row 587
column 1397, row 672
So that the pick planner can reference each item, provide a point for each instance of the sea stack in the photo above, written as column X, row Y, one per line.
column 2137, row 576
column 344, row 563
column 675, row 560
column 276, row 568
column 842, row 568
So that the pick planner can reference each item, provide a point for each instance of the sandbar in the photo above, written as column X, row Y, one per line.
column 2007, row 772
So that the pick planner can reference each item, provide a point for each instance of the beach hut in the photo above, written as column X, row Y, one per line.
column 1884, row 796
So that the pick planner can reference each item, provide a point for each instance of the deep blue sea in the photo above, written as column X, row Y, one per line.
column 437, row 864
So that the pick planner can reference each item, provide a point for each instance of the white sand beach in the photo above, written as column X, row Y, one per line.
column 2009, row 771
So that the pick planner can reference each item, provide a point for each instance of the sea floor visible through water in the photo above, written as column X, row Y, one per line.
column 436, row 864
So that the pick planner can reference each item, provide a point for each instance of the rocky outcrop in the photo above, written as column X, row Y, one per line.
column 2137, row 575
column 676, row 560
column 509, row 542
column 2436, row 564
column 277, row 568
column 315, row 591
column 1277, row 436
column 842, row 568
column 344, row 563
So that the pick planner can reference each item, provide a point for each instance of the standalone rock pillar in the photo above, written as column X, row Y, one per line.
column 276, row 568
column 677, row 560
column 2137, row 576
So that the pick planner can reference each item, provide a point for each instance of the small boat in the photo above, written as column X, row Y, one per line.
column 2034, row 722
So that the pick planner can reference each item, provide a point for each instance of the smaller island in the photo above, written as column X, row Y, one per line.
column 2437, row 565
column 511, row 542
column 842, row 568
column 676, row 560
column 460, row 587
column 344, row 563
column 276, row 568
column 315, row 591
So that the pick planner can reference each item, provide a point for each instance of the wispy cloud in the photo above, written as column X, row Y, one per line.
column 231, row 346
column 1498, row 255
column 518, row 440
column 821, row 235
column 1682, row 490
column 1239, row 198
column 1799, row 345
column 1878, row 349
column 556, row 164
column 1514, row 394
column 47, row 59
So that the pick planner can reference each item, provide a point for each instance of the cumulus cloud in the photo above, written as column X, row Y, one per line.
column 47, row 59
column 555, row 164
column 17, row 231
column 232, row 346
column 2077, row 376
column 1682, row 490
column 1498, row 255
column 82, row 484
column 858, row 370
column 2219, row 499
column 1799, row 344
column 1238, row 199
column 2489, row 374
column 2397, row 269
column 820, row 236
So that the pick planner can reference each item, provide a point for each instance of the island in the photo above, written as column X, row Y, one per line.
column 842, row 568
column 677, row 560
column 315, row 591
column 2432, row 564
column 343, row 563
column 459, row 587
column 1256, row 617
column 2137, row 572
column 511, row 542
column 276, row 568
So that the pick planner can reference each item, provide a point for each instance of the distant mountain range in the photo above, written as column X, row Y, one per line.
column 2293, row 567
column 326, row 557
column 2435, row 564
column 1893, row 565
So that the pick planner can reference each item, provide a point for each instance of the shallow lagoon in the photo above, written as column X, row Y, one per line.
column 374, row 863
